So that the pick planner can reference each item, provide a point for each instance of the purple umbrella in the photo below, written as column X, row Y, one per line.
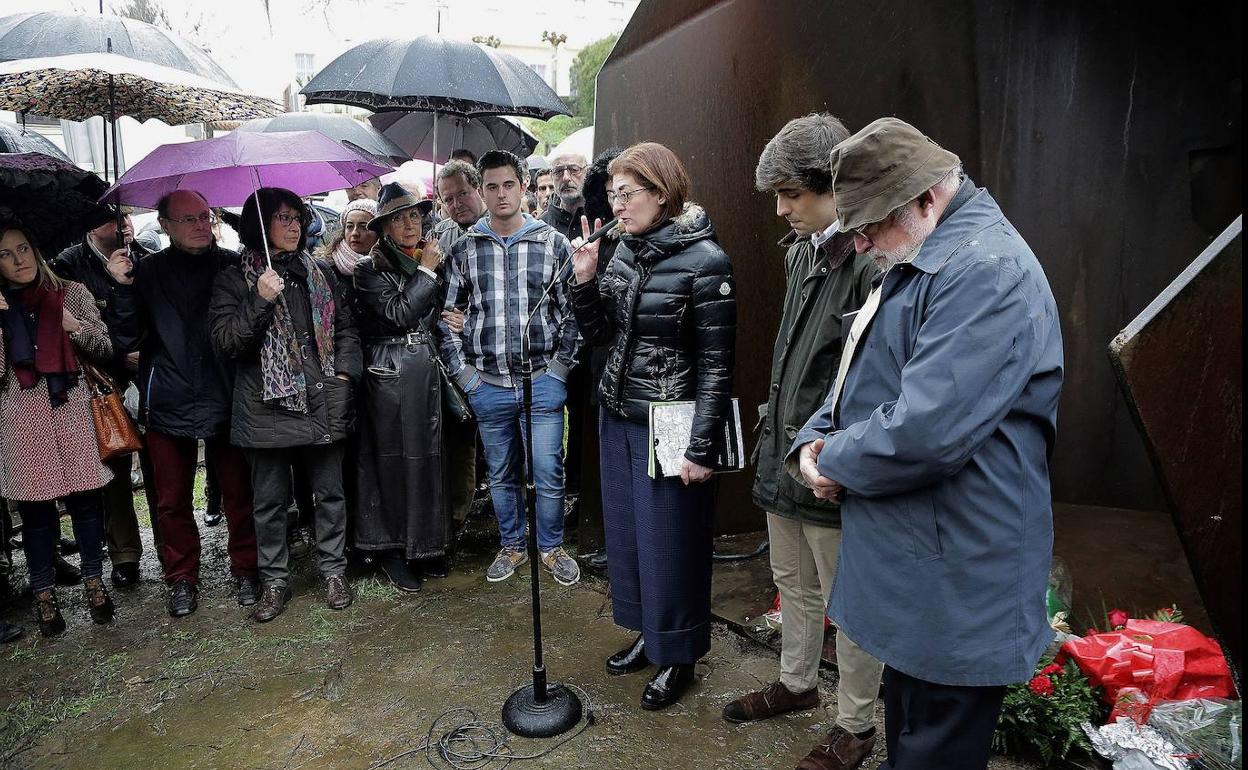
column 229, row 169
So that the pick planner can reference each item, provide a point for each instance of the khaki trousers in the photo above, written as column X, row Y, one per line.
column 803, row 565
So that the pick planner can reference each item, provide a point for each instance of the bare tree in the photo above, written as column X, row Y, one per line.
column 144, row 10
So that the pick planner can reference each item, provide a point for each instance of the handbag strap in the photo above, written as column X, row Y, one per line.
column 97, row 379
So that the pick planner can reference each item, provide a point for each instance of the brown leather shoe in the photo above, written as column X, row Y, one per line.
column 272, row 602
column 841, row 750
column 338, row 593
column 772, row 700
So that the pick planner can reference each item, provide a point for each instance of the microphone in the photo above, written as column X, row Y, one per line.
column 597, row 234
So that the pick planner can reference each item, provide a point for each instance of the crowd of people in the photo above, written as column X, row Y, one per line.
column 901, row 456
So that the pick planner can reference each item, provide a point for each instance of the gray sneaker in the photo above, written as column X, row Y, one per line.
column 505, row 564
column 564, row 568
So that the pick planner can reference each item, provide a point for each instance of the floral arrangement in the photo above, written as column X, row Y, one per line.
column 1041, row 718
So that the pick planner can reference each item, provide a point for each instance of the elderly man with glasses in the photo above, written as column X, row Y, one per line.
column 936, row 438
column 159, row 309
column 565, row 207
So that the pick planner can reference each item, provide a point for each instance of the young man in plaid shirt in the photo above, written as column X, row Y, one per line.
column 496, row 275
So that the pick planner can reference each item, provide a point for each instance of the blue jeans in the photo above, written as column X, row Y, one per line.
column 500, row 418
column 41, row 526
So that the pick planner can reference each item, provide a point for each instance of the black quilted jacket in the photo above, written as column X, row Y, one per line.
column 667, row 308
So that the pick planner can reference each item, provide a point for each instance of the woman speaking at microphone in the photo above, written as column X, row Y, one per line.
column 666, row 308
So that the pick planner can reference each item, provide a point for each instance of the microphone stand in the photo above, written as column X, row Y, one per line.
column 539, row 710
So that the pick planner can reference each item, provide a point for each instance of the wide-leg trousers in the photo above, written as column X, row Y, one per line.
column 659, row 547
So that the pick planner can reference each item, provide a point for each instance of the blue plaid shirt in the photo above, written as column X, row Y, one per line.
column 497, row 282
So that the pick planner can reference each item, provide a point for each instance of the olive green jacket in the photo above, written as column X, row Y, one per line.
column 822, row 286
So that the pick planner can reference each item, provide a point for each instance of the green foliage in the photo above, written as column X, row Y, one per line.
column 584, row 73
column 1048, row 726
column 551, row 132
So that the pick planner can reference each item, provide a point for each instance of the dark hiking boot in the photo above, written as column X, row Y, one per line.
column 67, row 546
column 631, row 658
column 125, row 575
column 98, row 601
column 841, row 750
column 437, row 567
column 247, row 590
column 298, row 542
column 338, row 593
column 48, row 613
column 399, row 572
column 773, row 700
column 272, row 602
column 183, row 598
column 667, row 686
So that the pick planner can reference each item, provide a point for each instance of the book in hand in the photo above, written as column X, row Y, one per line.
column 671, row 423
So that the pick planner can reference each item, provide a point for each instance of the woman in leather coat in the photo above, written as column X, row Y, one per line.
column 666, row 308
column 402, row 516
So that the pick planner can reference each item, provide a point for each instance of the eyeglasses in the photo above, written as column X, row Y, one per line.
column 286, row 220
column 624, row 196
column 203, row 219
column 572, row 169
column 409, row 217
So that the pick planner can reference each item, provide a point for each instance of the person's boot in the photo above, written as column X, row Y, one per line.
column 66, row 574
column 67, row 545
column 298, row 542
column 772, row 700
column 667, row 686
column 48, row 613
column 183, row 598
column 399, row 572
column 631, row 658
column 99, row 602
column 437, row 567
column 125, row 574
column 213, row 516
column 338, row 593
column 272, row 602
column 247, row 590
column 841, row 750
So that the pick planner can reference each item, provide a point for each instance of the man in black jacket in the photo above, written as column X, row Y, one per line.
column 87, row 263
column 161, row 311
column 564, row 209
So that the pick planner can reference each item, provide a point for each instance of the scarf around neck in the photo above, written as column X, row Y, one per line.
column 408, row 260
column 345, row 260
column 36, row 342
column 281, row 364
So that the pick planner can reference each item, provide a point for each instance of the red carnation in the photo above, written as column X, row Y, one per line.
column 1041, row 685
column 1117, row 619
column 1052, row 668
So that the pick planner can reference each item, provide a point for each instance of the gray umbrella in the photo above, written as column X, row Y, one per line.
column 434, row 74
column 49, row 33
column 342, row 128
column 413, row 131
column 15, row 138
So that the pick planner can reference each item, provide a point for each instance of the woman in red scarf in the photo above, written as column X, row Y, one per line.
column 47, row 438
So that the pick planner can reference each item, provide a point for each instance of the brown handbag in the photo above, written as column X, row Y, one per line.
column 115, row 433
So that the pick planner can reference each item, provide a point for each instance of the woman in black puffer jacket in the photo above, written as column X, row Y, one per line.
column 666, row 307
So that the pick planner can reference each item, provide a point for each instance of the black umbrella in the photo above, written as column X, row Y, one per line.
column 49, row 33
column 55, row 199
column 342, row 128
column 15, row 138
column 413, row 131
column 433, row 74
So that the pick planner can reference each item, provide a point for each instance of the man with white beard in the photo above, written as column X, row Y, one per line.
column 936, row 437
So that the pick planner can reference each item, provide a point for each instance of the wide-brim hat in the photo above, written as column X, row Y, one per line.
column 885, row 165
column 394, row 198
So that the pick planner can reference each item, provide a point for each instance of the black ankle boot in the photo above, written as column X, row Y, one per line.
column 631, row 658
column 666, row 687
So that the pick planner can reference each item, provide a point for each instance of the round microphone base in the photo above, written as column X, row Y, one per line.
column 524, row 716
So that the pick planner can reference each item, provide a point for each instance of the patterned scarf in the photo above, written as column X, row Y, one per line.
column 407, row 260
column 281, row 364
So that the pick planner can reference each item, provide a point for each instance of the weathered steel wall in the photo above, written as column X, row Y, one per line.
column 1181, row 369
column 1110, row 136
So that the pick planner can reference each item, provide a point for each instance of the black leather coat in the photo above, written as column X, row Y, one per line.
column 667, row 307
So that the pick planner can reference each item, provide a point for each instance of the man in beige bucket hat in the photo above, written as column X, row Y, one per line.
column 936, row 438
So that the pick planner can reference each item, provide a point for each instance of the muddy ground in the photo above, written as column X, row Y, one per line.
column 361, row 688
